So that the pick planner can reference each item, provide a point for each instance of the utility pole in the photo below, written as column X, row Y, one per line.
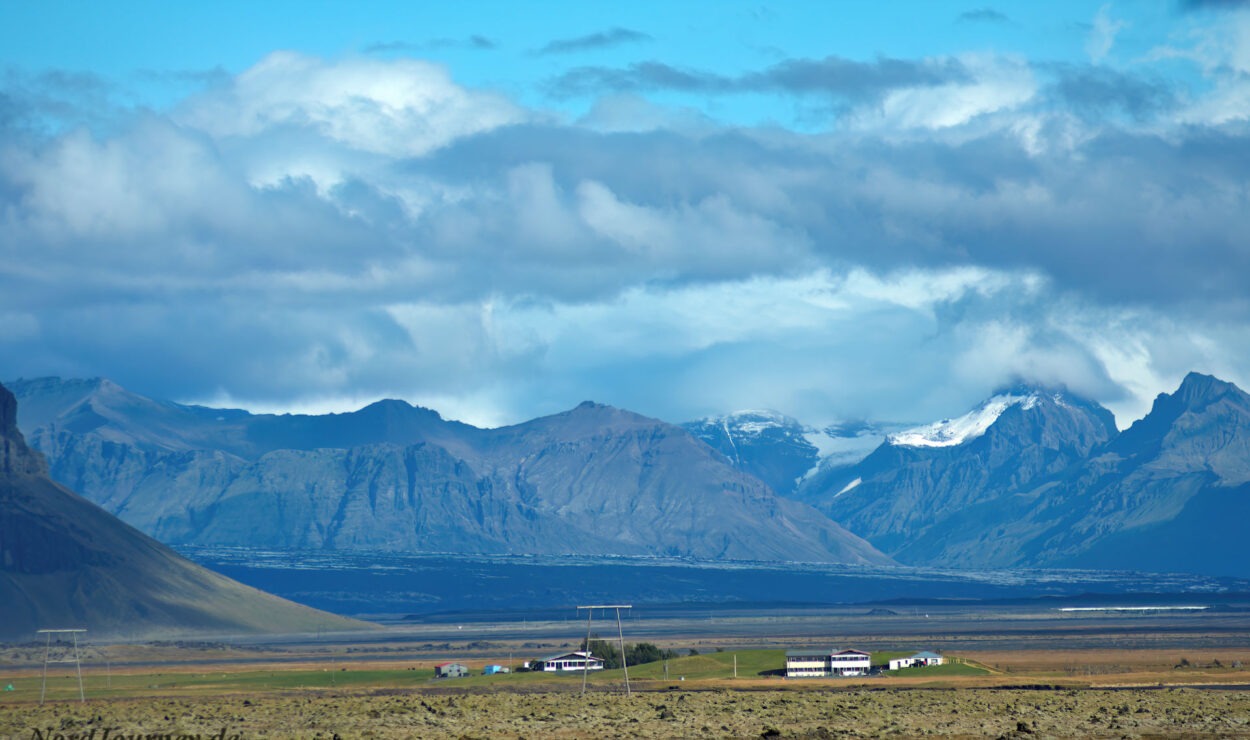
column 47, row 658
column 735, row 665
column 620, row 634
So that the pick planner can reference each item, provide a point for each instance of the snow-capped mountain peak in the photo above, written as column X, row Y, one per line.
column 752, row 422
column 951, row 432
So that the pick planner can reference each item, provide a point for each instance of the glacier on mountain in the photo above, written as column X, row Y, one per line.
column 951, row 432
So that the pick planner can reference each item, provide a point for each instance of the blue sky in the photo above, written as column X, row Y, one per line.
column 837, row 210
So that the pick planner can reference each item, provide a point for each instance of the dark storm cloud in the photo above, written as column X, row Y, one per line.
column 57, row 98
column 833, row 76
column 982, row 15
column 854, row 80
column 1095, row 91
column 1125, row 217
column 296, row 256
column 638, row 77
column 598, row 40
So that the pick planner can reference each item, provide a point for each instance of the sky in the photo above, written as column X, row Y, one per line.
column 836, row 210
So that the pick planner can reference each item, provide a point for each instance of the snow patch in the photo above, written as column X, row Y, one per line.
column 833, row 451
column 951, row 432
column 849, row 487
column 750, row 423
column 754, row 428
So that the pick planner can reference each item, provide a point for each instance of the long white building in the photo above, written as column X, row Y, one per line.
column 817, row 663
column 575, row 661
column 922, row 658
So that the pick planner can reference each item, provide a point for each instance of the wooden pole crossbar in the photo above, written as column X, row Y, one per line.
column 620, row 632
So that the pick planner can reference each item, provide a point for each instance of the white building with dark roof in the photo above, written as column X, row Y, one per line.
column 575, row 661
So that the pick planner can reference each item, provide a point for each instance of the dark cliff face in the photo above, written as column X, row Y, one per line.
column 15, row 457
column 593, row 480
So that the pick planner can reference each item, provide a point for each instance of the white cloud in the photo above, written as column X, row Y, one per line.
column 141, row 183
column 317, row 234
column 998, row 83
column 1102, row 36
column 396, row 108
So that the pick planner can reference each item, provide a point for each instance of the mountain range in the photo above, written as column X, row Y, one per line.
column 1041, row 478
column 65, row 562
column 1032, row 477
column 594, row 480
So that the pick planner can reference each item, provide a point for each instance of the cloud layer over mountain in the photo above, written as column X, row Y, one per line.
column 319, row 232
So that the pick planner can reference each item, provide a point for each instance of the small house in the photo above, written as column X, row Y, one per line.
column 922, row 658
column 491, row 670
column 574, row 661
column 450, row 670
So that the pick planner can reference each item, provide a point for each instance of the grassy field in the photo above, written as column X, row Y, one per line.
column 755, row 669
column 980, row 695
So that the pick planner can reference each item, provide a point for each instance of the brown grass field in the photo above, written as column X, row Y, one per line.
column 171, row 691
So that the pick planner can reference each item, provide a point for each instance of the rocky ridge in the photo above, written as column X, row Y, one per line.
column 593, row 480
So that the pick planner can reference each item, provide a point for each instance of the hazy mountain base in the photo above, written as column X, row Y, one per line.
column 394, row 583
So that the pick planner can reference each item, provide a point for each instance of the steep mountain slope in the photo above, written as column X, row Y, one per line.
column 678, row 489
column 1170, row 493
column 594, row 480
column 903, row 496
column 66, row 562
column 1033, row 479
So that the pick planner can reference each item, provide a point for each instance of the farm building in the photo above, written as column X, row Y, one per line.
column 922, row 658
column 450, row 670
column 491, row 670
column 817, row 663
column 850, row 663
column 806, row 663
column 575, row 661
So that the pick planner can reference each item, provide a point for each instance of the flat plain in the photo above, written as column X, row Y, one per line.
column 215, row 690
column 1015, row 671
